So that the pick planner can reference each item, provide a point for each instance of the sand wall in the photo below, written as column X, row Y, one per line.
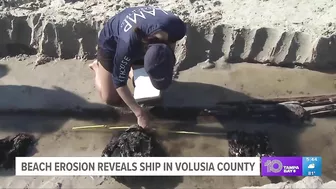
column 73, row 31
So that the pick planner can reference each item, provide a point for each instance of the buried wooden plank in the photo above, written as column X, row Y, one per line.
column 278, row 112
column 327, row 110
column 290, row 110
column 304, row 101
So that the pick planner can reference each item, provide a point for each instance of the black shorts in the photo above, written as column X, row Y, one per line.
column 107, row 60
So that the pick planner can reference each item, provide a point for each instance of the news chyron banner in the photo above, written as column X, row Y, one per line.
column 137, row 166
column 291, row 166
column 168, row 166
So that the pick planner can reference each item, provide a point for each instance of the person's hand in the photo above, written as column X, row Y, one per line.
column 142, row 118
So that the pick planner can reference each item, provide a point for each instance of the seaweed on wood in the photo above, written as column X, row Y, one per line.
column 18, row 146
column 285, row 112
column 242, row 144
column 134, row 142
column 138, row 142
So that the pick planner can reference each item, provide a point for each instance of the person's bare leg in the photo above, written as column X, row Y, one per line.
column 94, row 66
column 104, row 84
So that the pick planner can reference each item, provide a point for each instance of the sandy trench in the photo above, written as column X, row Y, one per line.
column 58, row 140
column 276, row 32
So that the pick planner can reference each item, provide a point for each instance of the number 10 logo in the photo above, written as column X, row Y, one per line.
column 274, row 166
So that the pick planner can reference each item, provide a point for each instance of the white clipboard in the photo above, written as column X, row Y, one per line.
column 143, row 89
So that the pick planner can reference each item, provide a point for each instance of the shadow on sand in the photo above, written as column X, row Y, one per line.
column 30, row 98
column 284, row 139
column 192, row 94
column 284, row 136
column 3, row 70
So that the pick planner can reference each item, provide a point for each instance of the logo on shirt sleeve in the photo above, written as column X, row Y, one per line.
column 123, row 72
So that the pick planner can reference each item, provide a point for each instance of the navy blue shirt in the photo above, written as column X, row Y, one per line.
column 119, row 40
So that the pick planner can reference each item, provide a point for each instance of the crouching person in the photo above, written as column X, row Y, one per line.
column 136, row 36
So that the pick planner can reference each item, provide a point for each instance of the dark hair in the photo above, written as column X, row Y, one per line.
column 146, row 40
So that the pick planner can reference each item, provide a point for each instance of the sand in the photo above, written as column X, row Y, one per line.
column 313, row 18
column 233, row 83
column 220, row 33
column 276, row 32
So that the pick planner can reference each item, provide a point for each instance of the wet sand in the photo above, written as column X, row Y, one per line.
column 318, row 140
column 241, row 81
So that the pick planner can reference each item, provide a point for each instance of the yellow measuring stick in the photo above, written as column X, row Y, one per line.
column 161, row 129
column 89, row 127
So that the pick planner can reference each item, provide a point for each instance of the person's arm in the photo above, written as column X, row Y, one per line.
column 129, row 100
column 122, row 66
